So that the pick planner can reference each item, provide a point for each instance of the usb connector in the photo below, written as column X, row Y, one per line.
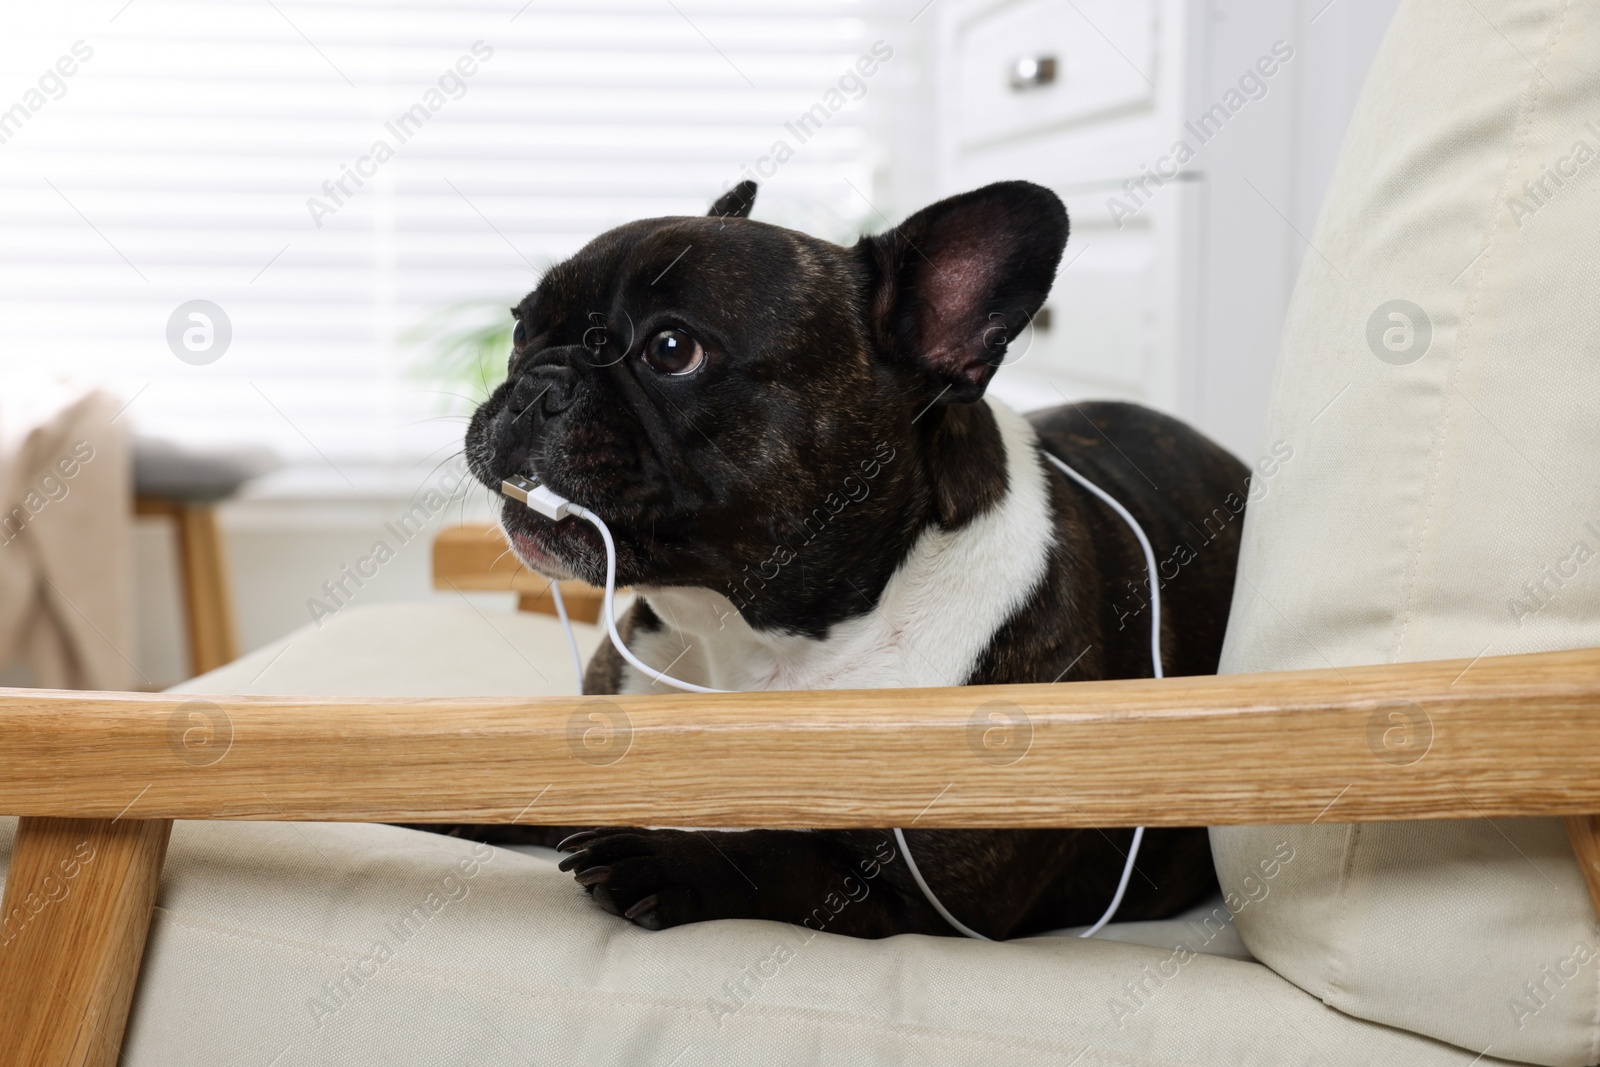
column 537, row 496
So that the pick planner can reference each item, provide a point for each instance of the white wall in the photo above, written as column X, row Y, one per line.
column 1264, row 183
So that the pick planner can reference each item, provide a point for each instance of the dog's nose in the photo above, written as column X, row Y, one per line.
column 562, row 383
column 526, row 392
column 549, row 385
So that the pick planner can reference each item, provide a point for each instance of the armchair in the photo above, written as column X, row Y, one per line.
column 1434, row 514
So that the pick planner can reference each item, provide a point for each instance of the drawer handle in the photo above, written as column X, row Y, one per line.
column 1033, row 72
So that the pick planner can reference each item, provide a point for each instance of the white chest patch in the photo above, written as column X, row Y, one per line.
column 935, row 618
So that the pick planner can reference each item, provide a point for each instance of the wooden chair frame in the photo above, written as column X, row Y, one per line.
column 474, row 557
column 203, row 573
column 99, row 777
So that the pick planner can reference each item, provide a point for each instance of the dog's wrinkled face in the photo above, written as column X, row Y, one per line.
column 704, row 384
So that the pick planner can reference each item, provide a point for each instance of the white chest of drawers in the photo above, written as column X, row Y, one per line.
column 1191, row 141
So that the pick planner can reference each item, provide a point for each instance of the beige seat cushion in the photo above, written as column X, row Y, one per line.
column 291, row 945
column 1441, row 499
column 422, row 649
column 368, row 946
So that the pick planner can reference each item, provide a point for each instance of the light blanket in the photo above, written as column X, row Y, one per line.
column 66, row 603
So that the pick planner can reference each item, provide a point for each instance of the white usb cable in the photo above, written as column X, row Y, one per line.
column 540, row 499
column 566, row 625
column 1155, row 658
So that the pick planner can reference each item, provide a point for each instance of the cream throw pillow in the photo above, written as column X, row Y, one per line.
column 1439, row 395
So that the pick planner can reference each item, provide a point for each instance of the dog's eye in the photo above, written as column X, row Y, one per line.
column 674, row 352
column 519, row 335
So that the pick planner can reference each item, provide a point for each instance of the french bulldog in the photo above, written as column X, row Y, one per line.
column 809, row 489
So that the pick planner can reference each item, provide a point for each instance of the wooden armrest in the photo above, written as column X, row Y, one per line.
column 476, row 557
column 1516, row 735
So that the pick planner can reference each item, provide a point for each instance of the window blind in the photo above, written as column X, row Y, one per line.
column 332, row 175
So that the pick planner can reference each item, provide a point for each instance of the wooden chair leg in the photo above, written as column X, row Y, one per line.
column 1584, row 832
column 205, row 587
column 73, row 923
column 202, row 568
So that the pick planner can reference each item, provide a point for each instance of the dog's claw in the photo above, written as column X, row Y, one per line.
column 569, row 843
column 649, row 903
column 593, row 876
column 651, row 878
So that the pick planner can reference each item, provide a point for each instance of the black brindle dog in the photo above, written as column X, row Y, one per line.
column 808, row 489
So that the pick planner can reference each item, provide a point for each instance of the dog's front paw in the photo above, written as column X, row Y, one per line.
column 655, row 878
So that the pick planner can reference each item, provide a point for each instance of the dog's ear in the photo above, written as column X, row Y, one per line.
column 735, row 203
column 957, row 281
